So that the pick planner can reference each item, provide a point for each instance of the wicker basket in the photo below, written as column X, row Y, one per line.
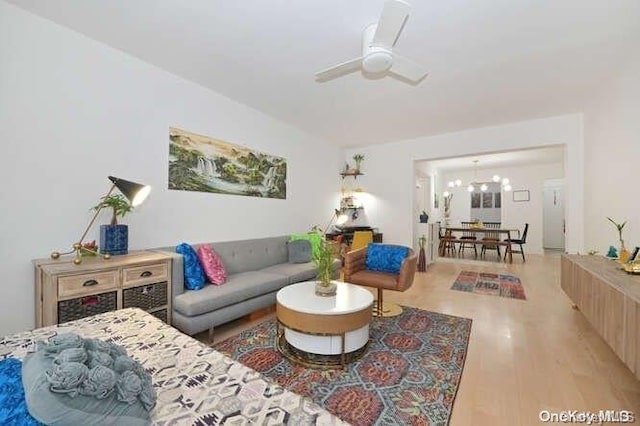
column 160, row 315
column 73, row 309
column 145, row 297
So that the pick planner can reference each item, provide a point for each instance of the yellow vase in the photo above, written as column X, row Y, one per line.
column 624, row 255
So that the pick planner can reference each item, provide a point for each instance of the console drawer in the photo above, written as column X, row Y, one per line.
column 84, row 284
column 144, row 274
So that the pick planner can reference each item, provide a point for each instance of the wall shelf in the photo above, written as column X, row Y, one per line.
column 355, row 174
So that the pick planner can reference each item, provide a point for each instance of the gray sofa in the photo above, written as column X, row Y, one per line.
column 256, row 270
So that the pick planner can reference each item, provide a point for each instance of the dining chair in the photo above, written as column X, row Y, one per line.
column 447, row 243
column 519, row 241
column 490, row 239
column 468, row 238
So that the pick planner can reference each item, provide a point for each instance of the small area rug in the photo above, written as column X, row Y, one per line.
column 409, row 373
column 488, row 283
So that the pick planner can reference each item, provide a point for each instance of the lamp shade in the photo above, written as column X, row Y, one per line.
column 136, row 193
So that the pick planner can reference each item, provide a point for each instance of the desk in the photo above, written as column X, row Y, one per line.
column 347, row 236
column 449, row 230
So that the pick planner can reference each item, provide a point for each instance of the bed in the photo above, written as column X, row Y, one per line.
column 196, row 385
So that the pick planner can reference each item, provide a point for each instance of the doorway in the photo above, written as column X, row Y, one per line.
column 553, row 222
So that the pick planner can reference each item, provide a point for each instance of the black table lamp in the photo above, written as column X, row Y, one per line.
column 136, row 193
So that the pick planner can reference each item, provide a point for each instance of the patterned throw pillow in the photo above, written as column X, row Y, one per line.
column 299, row 251
column 193, row 274
column 385, row 257
column 212, row 265
column 314, row 238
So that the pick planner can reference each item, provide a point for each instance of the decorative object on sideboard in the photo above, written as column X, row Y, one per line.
column 114, row 237
column 623, row 253
column 136, row 193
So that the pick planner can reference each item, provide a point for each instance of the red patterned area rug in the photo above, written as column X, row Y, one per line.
column 487, row 283
column 409, row 373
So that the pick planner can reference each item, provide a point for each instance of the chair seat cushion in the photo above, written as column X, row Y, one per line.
column 385, row 257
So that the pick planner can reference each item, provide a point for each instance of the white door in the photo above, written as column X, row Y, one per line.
column 553, row 217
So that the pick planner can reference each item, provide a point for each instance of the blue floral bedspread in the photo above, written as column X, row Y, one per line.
column 13, row 407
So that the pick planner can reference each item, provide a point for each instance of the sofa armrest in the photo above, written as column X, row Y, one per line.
column 177, row 272
column 354, row 261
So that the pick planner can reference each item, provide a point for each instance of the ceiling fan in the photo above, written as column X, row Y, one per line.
column 378, row 58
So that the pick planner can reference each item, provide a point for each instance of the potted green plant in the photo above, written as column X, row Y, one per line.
column 623, row 253
column 114, row 238
column 325, row 286
column 358, row 158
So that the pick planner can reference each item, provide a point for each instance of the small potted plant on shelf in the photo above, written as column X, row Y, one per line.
column 114, row 238
column 358, row 158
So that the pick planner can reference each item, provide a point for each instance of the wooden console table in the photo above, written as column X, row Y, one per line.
column 65, row 291
column 610, row 300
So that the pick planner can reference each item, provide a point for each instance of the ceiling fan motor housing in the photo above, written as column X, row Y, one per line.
column 375, row 59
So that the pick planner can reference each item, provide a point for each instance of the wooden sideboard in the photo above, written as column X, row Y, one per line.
column 610, row 300
column 65, row 291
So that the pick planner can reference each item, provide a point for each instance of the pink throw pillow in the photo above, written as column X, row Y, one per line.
column 212, row 265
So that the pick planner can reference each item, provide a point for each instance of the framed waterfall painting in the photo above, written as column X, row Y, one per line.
column 204, row 164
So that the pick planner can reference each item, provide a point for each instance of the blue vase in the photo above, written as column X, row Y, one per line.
column 114, row 239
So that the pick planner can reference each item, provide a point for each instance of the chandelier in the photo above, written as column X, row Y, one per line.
column 474, row 185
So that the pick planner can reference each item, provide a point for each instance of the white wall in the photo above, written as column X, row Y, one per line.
column 389, row 168
column 612, row 156
column 73, row 111
column 514, row 214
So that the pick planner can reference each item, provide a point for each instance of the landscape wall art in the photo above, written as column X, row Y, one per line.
column 204, row 164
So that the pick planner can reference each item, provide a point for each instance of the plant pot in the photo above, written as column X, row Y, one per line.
column 326, row 289
column 114, row 239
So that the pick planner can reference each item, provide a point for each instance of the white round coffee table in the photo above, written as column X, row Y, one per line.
column 324, row 326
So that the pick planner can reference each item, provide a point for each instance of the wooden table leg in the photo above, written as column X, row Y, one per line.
column 509, row 247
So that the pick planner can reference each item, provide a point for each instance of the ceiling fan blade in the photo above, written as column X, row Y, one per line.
column 407, row 69
column 339, row 70
column 392, row 19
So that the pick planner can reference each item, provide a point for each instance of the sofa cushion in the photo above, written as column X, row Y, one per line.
column 299, row 251
column 294, row 272
column 385, row 257
column 239, row 287
column 193, row 273
column 212, row 265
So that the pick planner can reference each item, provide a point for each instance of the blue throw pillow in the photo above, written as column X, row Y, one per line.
column 385, row 257
column 193, row 272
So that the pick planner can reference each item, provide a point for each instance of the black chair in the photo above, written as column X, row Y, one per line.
column 519, row 241
column 468, row 239
column 491, row 239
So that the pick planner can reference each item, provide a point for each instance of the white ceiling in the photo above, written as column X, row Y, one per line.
column 547, row 155
column 490, row 62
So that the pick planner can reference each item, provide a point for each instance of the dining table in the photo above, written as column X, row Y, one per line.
column 449, row 235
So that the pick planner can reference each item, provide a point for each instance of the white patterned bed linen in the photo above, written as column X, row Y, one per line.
column 196, row 384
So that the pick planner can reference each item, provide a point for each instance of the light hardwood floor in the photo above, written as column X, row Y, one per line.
column 523, row 356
